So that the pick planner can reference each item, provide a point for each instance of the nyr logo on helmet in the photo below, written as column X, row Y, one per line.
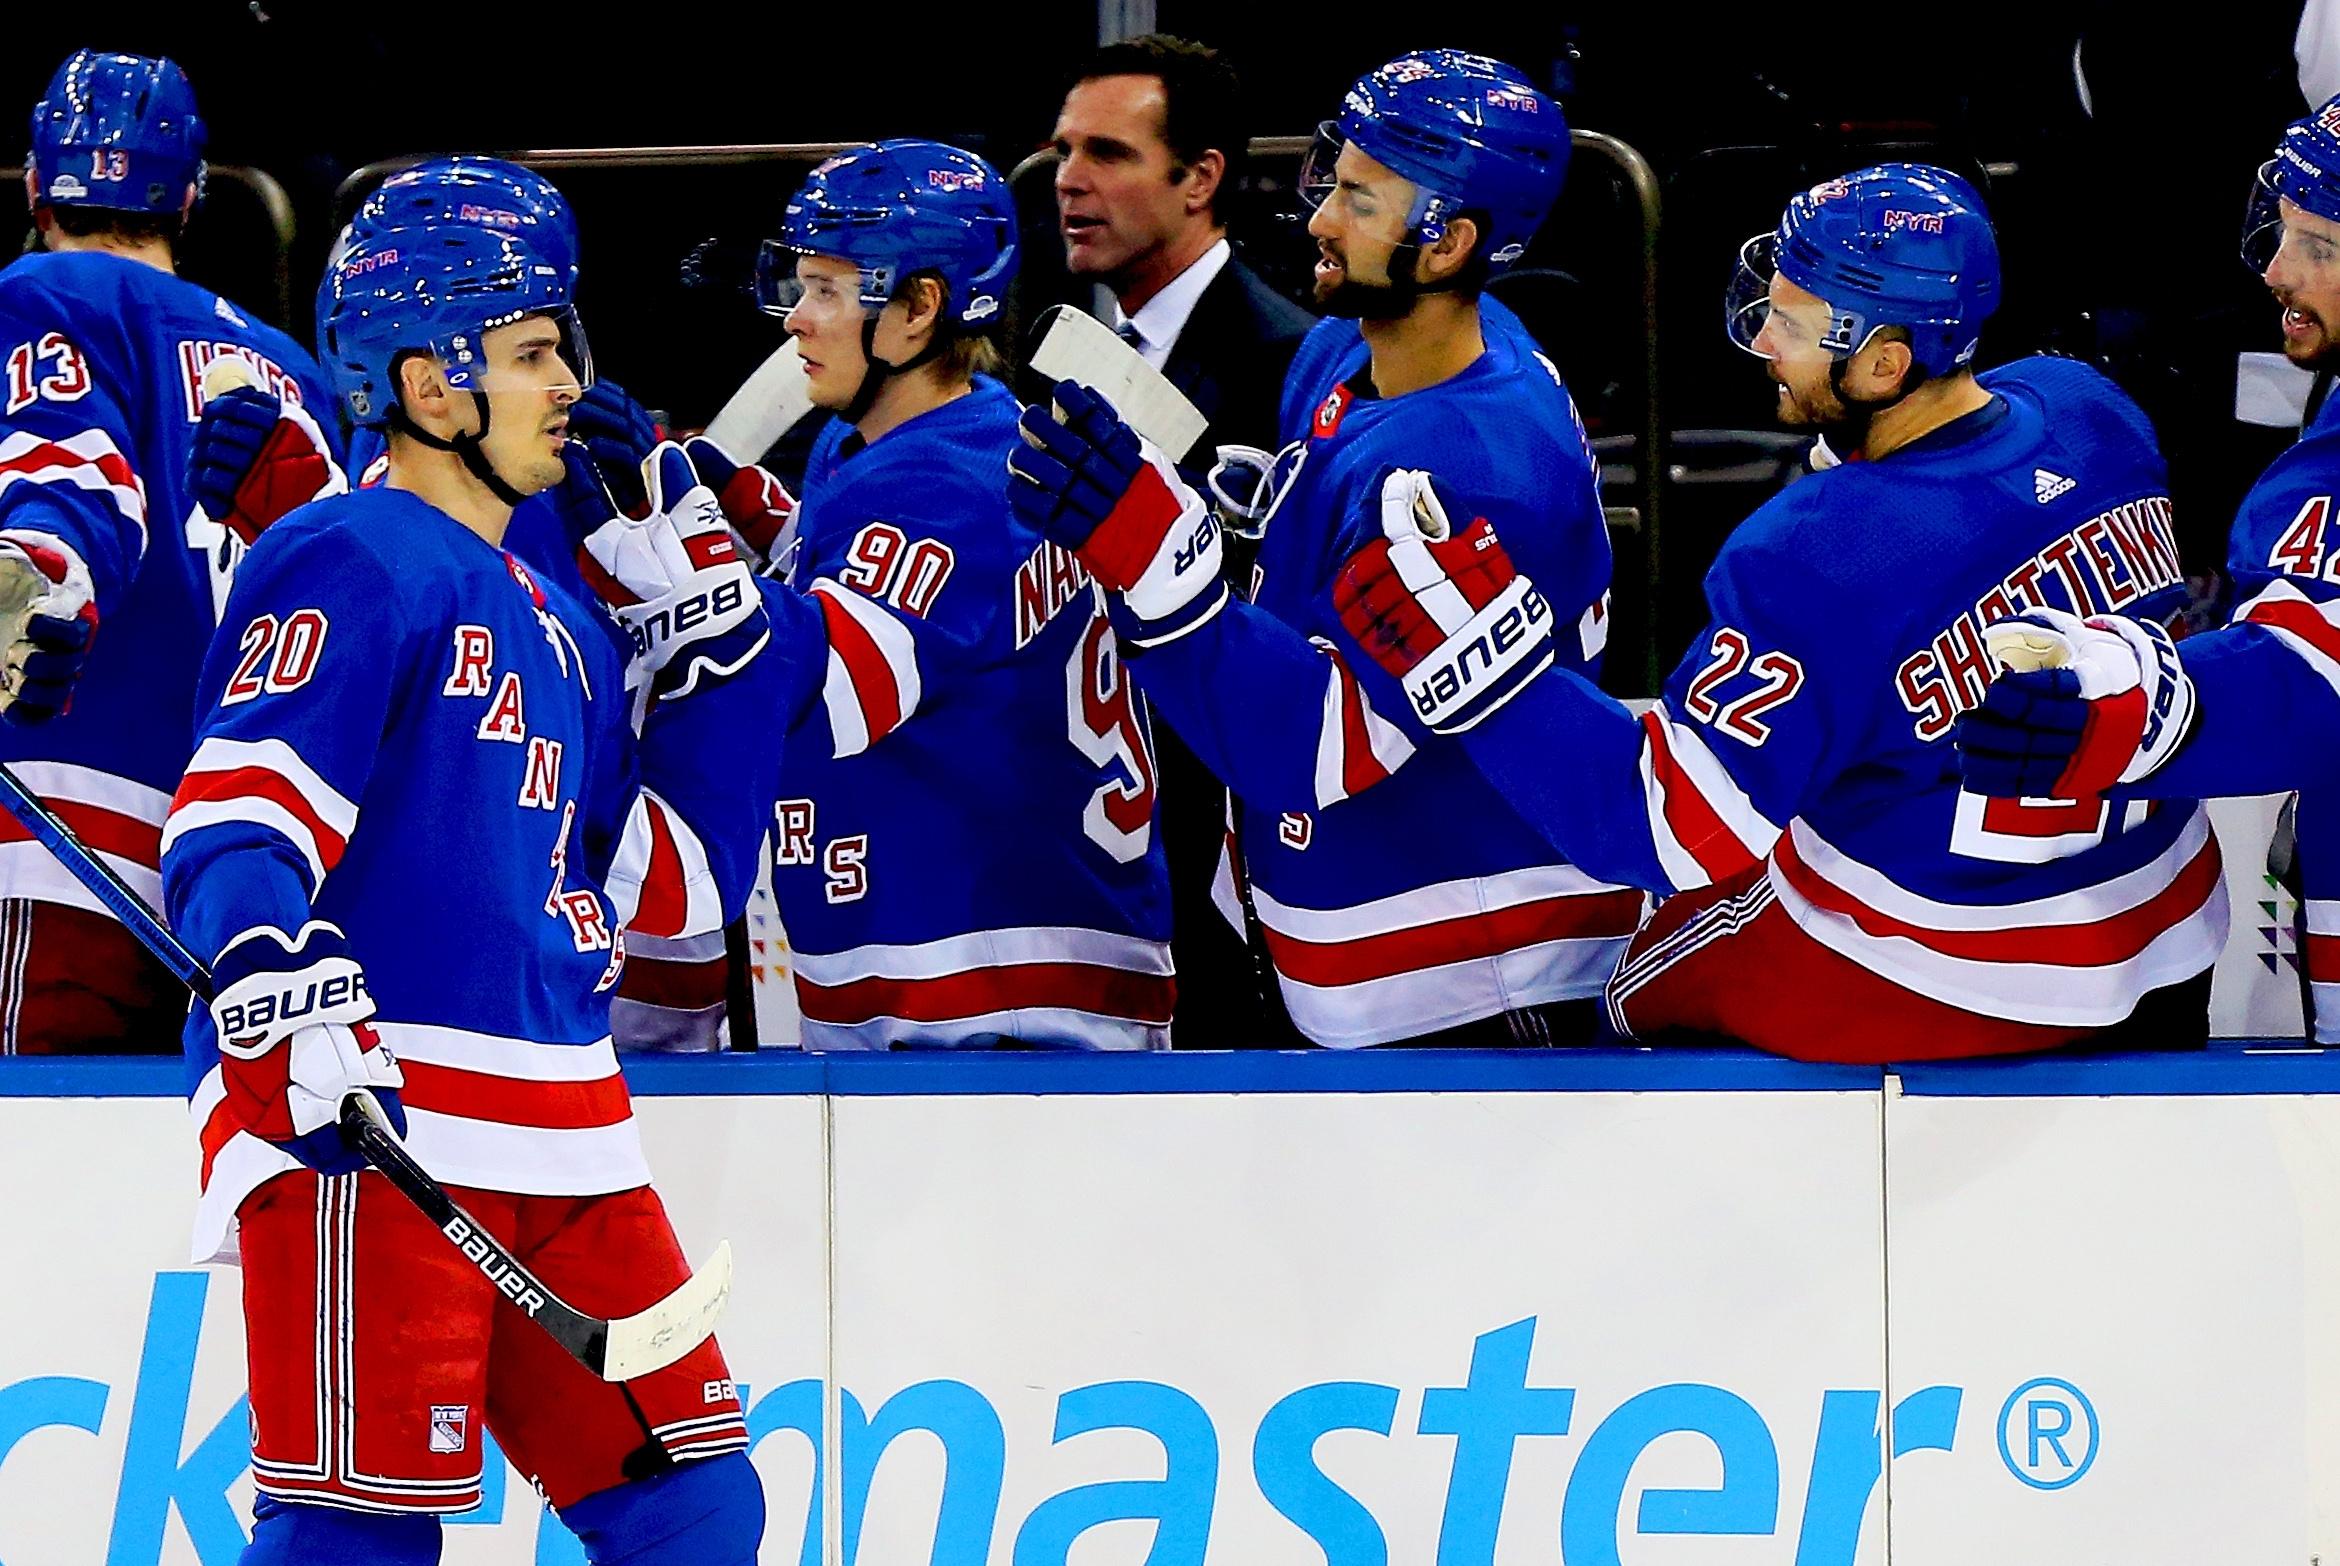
column 1897, row 219
column 1403, row 71
column 1518, row 98
column 358, row 266
column 487, row 217
column 955, row 179
column 1830, row 189
column 2328, row 118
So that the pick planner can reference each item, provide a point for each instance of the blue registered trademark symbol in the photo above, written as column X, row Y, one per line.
column 2042, row 1425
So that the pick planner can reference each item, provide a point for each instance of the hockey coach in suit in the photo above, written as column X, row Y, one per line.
column 1150, row 140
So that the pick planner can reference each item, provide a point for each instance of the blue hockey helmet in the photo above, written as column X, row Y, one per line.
column 487, row 192
column 897, row 208
column 117, row 131
column 2305, row 171
column 437, row 289
column 1472, row 134
column 1898, row 244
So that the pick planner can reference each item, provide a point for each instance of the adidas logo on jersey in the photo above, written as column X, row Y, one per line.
column 2047, row 486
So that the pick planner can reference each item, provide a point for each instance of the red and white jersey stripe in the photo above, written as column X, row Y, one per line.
column 89, row 460
column 1592, row 628
column 266, row 783
column 1062, row 986
column 2308, row 628
column 1357, row 747
column 499, row 1114
column 2077, row 958
column 659, row 880
column 872, row 686
column 2319, row 953
column 1446, row 954
column 1704, row 826
column 121, row 820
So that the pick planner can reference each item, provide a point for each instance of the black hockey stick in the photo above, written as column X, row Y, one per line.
column 614, row 1350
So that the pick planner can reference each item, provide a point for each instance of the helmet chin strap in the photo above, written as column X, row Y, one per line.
column 467, row 450
column 1850, row 434
column 875, row 371
column 1354, row 301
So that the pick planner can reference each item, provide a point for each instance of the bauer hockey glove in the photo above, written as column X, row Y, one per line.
column 257, row 457
column 675, row 579
column 1087, row 481
column 757, row 505
column 2079, row 708
column 1442, row 608
column 294, row 1042
column 48, row 621
column 619, row 434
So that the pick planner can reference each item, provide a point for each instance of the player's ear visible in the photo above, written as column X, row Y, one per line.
column 32, row 189
column 1892, row 365
column 1454, row 247
column 423, row 389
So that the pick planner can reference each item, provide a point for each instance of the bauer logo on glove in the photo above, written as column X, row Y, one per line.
column 1442, row 609
column 246, row 1026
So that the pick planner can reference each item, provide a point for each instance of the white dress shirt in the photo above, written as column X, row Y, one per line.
column 1160, row 319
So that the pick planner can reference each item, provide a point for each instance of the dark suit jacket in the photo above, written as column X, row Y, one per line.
column 1231, row 357
column 1230, row 360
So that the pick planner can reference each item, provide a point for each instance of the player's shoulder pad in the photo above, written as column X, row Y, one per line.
column 1323, row 359
column 940, row 475
column 2307, row 469
column 348, row 550
column 1809, row 540
column 2064, row 388
column 87, row 295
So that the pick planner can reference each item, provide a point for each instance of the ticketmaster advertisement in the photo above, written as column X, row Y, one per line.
column 1487, row 1328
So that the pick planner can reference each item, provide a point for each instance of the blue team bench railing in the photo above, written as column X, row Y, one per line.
column 2229, row 1067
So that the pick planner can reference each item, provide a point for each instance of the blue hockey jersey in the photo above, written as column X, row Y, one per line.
column 104, row 359
column 964, row 847
column 1808, row 726
column 2285, row 532
column 1398, row 892
column 404, row 732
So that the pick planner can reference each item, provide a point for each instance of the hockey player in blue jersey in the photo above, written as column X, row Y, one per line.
column 110, row 572
column 413, row 840
column 2283, row 533
column 2254, row 708
column 250, row 463
column 1401, row 897
column 1832, row 894
column 250, row 466
column 964, row 845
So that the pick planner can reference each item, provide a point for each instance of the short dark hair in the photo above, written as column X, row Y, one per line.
column 103, row 222
column 1201, row 94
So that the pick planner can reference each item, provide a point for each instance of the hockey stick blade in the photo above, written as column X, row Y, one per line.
column 1079, row 347
column 646, row 1341
column 616, row 1350
column 767, row 405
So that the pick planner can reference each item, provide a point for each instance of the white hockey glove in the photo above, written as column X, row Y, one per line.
column 294, row 1043
column 675, row 580
column 2081, row 707
column 48, row 619
column 1443, row 610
